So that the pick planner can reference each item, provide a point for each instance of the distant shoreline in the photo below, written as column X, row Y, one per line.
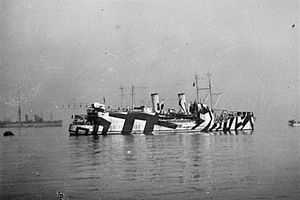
column 24, row 124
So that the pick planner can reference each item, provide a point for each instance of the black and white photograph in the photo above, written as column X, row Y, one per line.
column 149, row 100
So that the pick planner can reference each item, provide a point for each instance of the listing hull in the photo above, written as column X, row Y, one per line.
column 150, row 123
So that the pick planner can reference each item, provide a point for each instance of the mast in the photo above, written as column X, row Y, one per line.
column 210, row 90
column 132, row 97
column 197, row 87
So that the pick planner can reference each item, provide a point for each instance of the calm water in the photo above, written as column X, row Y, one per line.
column 37, row 163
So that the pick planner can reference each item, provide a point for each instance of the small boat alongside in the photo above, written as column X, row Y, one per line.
column 294, row 123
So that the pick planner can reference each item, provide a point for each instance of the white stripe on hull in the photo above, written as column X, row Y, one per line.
column 182, row 125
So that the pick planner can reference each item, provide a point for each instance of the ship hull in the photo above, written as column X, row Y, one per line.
column 149, row 123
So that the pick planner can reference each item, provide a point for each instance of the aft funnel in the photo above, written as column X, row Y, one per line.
column 182, row 102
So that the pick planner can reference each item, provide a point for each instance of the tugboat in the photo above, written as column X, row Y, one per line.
column 294, row 123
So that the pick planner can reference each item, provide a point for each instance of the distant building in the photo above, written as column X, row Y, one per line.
column 26, row 118
column 38, row 118
column 6, row 119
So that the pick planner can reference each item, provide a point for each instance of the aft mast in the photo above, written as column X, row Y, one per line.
column 209, row 88
column 197, row 87
column 132, row 97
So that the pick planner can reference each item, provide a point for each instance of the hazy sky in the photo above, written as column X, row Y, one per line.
column 60, row 51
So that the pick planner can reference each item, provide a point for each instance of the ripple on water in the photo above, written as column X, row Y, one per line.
column 176, row 166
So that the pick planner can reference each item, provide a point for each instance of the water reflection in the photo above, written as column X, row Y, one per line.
column 176, row 166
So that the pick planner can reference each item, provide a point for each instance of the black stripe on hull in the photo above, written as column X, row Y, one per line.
column 213, row 127
column 101, row 122
column 209, row 123
column 150, row 119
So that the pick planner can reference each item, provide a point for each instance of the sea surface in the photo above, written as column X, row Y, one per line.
column 37, row 163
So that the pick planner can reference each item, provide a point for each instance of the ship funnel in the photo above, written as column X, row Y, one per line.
column 182, row 102
column 155, row 102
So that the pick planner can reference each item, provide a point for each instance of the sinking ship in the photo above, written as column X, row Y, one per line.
column 196, row 117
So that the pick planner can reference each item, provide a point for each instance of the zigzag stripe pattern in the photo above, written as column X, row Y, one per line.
column 244, row 122
column 205, row 122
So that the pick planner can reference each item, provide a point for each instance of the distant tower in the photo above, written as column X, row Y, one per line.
column 19, row 113
column 122, row 96
column 132, row 97
column 19, row 107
